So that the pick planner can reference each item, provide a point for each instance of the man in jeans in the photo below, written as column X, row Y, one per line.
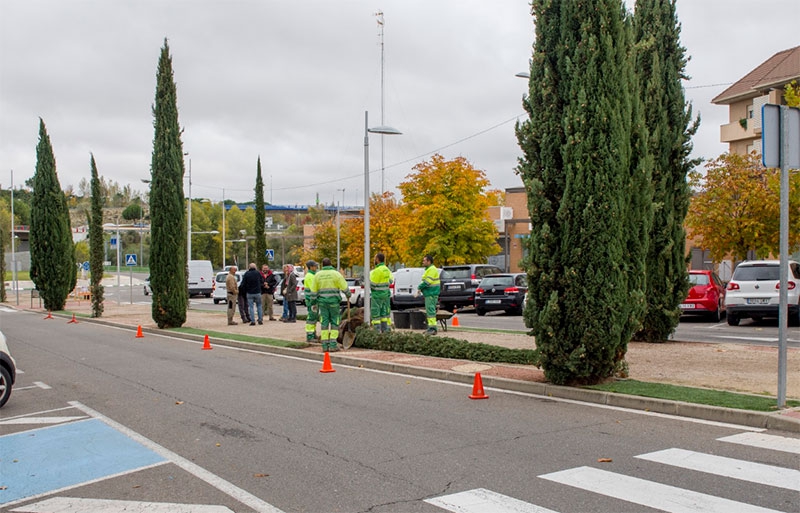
column 253, row 283
column 232, row 294
column 268, row 292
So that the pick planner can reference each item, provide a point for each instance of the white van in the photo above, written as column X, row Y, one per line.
column 201, row 278
column 406, row 281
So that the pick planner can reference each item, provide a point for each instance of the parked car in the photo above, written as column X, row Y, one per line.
column 201, row 278
column 706, row 297
column 301, row 290
column 754, row 291
column 405, row 285
column 458, row 283
column 501, row 292
column 8, row 371
column 147, row 289
column 221, row 288
column 356, row 291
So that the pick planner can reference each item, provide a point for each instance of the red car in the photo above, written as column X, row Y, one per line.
column 706, row 297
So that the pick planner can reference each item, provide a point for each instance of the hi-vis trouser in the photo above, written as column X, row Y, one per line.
column 329, row 324
column 380, row 310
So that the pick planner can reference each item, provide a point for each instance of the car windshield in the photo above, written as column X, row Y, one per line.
column 497, row 281
column 458, row 273
column 757, row 273
column 698, row 279
column 352, row 282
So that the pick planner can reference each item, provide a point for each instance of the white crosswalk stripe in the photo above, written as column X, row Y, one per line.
column 481, row 500
column 728, row 467
column 764, row 441
column 649, row 493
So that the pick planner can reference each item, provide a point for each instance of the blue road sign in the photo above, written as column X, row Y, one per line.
column 130, row 259
column 113, row 242
column 270, row 254
column 86, row 266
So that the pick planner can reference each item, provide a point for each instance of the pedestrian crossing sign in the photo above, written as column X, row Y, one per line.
column 270, row 254
column 130, row 259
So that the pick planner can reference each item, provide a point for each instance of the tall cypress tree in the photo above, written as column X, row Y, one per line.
column 96, row 243
column 661, row 62
column 583, row 171
column 53, row 269
column 260, row 246
column 168, row 265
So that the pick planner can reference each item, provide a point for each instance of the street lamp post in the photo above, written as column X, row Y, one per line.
column 385, row 130
column 224, row 263
column 13, row 246
column 338, row 231
column 189, row 217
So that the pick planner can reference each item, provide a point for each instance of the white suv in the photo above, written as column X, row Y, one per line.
column 754, row 291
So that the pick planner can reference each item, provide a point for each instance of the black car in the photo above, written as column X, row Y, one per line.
column 501, row 292
column 458, row 284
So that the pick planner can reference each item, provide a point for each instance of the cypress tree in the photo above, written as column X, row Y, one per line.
column 168, row 265
column 96, row 243
column 583, row 170
column 260, row 246
column 661, row 62
column 53, row 269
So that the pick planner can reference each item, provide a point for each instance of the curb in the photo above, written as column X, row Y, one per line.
column 778, row 420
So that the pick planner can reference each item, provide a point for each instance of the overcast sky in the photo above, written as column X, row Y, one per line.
column 289, row 81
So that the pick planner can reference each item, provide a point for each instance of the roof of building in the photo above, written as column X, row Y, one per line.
column 778, row 70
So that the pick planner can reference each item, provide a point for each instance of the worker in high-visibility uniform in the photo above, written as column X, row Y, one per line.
column 311, row 302
column 430, row 290
column 380, row 278
column 328, row 285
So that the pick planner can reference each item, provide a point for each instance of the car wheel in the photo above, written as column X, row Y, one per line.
column 716, row 316
column 5, row 386
column 360, row 301
column 480, row 311
column 733, row 319
column 795, row 319
column 145, row 292
column 216, row 301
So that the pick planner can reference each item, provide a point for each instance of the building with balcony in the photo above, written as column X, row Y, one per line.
column 765, row 84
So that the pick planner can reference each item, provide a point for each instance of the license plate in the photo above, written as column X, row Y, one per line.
column 492, row 301
column 452, row 287
column 758, row 301
column 687, row 306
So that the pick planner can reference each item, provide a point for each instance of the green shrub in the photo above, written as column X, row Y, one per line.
column 443, row 347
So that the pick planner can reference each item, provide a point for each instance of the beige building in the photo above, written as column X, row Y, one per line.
column 745, row 98
column 514, row 227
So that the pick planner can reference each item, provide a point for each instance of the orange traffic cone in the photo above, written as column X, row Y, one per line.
column 73, row 321
column 455, row 323
column 477, row 388
column 326, row 364
column 49, row 315
column 139, row 332
column 207, row 344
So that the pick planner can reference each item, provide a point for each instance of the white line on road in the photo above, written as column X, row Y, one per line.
column 765, row 441
column 481, row 500
column 217, row 482
column 75, row 505
column 727, row 467
column 40, row 420
column 648, row 493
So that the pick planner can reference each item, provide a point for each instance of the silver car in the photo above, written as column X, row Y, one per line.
column 8, row 371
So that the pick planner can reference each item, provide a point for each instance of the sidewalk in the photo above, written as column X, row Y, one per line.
column 520, row 378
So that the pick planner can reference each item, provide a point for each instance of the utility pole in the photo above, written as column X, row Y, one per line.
column 379, row 15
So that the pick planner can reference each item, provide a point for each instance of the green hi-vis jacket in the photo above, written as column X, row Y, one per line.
column 379, row 280
column 430, row 282
column 328, row 285
column 311, row 297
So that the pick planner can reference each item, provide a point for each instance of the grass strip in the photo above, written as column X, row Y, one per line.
column 720, row 398
column 243, row 338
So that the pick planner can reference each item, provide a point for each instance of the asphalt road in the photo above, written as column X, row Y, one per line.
column 257, row 432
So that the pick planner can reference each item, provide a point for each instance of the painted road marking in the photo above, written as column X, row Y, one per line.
column 648, row 493
column 728, row 467
column 63, row 456
column 481, row 500
column 41, row 420
column 36, row 384
column 764, row 441
column 217, row 482
column 75, row 505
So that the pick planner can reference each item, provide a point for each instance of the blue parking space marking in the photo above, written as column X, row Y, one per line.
column 44, row 460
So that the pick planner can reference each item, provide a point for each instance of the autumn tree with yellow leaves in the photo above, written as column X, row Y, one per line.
column 443, row 213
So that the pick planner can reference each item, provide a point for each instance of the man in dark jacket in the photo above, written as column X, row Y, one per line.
column 253, row 283
column 290, row 296
column 268, row 293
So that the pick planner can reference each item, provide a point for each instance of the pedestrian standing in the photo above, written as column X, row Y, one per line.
column 328, row 286
column 268, row 292
column 430, row 290
column 290, row 297
column 242, row 302
column 312, row 318
column 379, row 281
column 252, row 283
column 286, row 270
column 231, row 294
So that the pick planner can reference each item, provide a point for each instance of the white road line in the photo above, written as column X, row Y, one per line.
column 765, row 441
column 217, row 482
column 41, row 412
column 727, row 467
column 481, row 500
column 40, row 420
column 648, row 493
column 75, row 505
column 36, row 384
